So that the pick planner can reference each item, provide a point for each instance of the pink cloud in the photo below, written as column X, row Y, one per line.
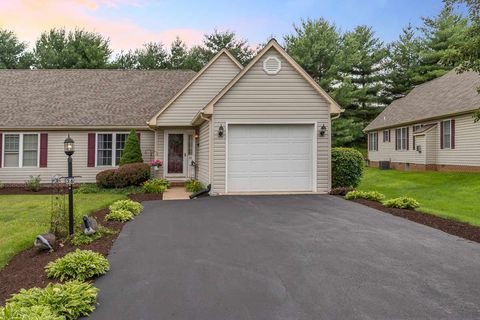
column 28, row 18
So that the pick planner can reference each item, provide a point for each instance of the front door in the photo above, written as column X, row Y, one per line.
column 179, row 146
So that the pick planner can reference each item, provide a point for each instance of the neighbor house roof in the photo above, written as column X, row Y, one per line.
column 85, row 98
column 450, row 94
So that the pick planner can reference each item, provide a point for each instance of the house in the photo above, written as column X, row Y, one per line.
column 431, row 128
column 260, row 128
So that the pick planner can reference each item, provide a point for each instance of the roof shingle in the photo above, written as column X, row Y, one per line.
column 70, row 98
column 450, row 94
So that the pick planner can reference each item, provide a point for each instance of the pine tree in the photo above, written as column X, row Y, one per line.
column 132, row 152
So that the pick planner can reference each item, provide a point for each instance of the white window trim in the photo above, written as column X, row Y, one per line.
column 20, row 150
column 185, row 133
column 401, row 139
column 114, row 149
column 373, row 145
column 450, row 134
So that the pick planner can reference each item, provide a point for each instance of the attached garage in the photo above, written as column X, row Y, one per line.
column 271, row 158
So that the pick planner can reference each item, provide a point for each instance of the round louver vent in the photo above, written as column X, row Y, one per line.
column 272, row 65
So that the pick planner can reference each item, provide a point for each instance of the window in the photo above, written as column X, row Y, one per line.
column 386, row 136
column 373, row 141
column 447, row 134
column 21, row 150
column 401, row 139
column 110, row 148
column 417, row 127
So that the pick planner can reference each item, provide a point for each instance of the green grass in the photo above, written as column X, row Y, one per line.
column 449, row 195
column 23, row 217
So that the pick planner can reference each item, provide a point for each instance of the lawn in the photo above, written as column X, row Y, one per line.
column 23, row 217
column 449, row 195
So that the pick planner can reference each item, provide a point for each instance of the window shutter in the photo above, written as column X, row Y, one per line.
column 43, row 150
column 91, row 150
column 1, row 149
column 376, row 142
column 408, row 139
column 452, row 136
column 441, row 134
column 395, row 138
column 383, row 136
column 138, row 135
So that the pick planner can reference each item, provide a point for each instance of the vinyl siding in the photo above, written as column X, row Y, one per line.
column 260, row 98
column 431, row 146
column 203, row 154
column 57, row 160
column 159, row 151
column 386, row 150
column 206, row 86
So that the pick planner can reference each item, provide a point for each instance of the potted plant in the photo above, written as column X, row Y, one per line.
column 156, row 164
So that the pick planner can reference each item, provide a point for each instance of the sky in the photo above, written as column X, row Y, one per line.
column 131, row 23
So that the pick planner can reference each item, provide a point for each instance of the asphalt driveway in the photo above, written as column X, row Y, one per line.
column 286, row 257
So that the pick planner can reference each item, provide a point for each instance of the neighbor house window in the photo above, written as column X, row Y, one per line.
column 386, row 136
column 21, row 150
column 417, row 127
column 447, row 134
column 401, row 139
column 373, row 141
column 110, row 148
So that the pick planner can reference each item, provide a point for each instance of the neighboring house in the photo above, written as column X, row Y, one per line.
column 431, row 128
column 262, row 128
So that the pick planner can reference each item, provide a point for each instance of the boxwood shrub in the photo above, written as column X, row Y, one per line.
column 347, row 167
column 402, row 203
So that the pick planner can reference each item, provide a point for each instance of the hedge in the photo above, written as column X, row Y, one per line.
column 347, row 167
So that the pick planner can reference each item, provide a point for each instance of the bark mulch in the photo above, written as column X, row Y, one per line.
column 139, row 197
column 456, row 228
column 22, row 190
column 26, row 269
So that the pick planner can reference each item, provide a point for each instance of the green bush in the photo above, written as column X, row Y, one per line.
column 368, row 195
column 134, row 207
column 402, row 203
column 88, row 188
column 33, row 184
column 17, row 312
column 132, row 152
column 71, row 300
column 193, row 186
column 78, row 265
column 154, row 186
column 119, row 215
column 347, row 167
column 81, row 239
column 134, row 174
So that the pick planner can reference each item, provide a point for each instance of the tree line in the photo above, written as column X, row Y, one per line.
column 362, row 73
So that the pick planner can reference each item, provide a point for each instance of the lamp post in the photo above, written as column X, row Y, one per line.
column 69, row 148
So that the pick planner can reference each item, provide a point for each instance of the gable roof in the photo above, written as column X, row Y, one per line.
column 152, row 121
column 208, row 109
column 450, row 94
column 85, row 98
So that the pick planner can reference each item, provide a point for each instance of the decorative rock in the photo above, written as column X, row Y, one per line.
column 45, row 241
column 90, row 225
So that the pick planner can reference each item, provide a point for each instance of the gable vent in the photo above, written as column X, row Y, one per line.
column 272, row 65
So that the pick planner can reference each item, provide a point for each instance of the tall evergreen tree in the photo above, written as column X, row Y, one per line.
column 13, row 53
column 216, row 41
column 151, row 56
column 132, row 152
column 178, row 54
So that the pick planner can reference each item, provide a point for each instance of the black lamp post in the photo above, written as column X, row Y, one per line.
column 69, row 148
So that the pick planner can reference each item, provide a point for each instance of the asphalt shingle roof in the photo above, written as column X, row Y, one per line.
column 450, row 94
column 58, row 98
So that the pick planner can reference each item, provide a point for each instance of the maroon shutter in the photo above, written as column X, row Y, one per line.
column 414, row 144
column 408, row 139
column 452, row 126
column 384, row 136
column 138, row 135
column 91, row 150
column 441, row 134
column 389, row 135
column 43, row 150
column 395, row 138
column 1, row 149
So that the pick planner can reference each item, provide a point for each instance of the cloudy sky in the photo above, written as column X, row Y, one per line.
column 130, row 23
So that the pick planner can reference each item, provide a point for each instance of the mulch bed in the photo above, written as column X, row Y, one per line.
column 26, row 269
column 139, row 197
column 456, row 228
column 22, row 190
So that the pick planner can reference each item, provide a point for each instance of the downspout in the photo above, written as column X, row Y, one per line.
column 210, row 147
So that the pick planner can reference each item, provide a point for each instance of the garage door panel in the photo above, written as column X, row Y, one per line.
column 270, row 158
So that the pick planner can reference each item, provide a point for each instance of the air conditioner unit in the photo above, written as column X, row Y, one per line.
column 384, row 165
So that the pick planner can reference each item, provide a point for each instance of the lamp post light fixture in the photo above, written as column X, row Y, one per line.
column 323, row 130
column 69, row 148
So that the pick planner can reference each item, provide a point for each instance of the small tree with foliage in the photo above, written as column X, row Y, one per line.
column 132, row 152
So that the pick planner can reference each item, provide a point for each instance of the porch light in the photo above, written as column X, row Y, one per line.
column 69, row 146
column 220, row 131
column 323, row 130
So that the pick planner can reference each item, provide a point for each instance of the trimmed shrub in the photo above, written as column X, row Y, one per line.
column 154, row 186
column 134, row 207
column 402, row 203
column 340, row 191
column 106, row 178
column 119, row 215
column 16, row 312
column 367, row 195
column 33, row 184
column 132, row 152
column 71, row 300
column 87, row 188
column 128, row 175
column 78, row 265
column 81, row 238
column 347, row 167
column 194, row 186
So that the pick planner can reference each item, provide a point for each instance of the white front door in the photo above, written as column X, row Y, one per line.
column 179, row 154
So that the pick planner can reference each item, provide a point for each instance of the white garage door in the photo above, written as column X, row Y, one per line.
column 270, row 158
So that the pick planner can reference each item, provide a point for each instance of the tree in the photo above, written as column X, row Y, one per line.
column 132, row 152
column 216, row 41
column 79, row 49
column 124, row 60
column 151, row 56
column 178, row 55
column 346, row 131
column 315, row 46
column 13, row 54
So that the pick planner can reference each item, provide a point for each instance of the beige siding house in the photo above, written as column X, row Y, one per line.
column 431, row 128
column 263, row 128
